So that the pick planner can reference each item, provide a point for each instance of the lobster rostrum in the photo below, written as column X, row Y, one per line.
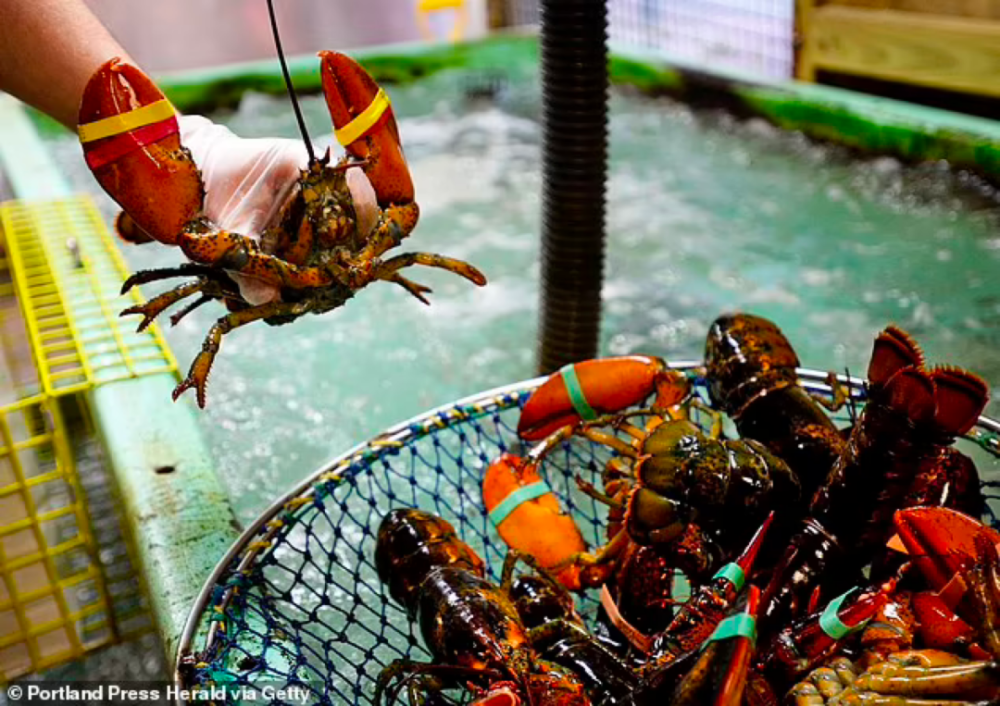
column 469, row 624
column 912, row 416
column 752, row 377
column 320, row 250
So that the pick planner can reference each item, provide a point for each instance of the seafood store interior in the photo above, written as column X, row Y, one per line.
column 500, row 352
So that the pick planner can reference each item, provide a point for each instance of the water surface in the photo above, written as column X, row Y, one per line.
column 706, row 214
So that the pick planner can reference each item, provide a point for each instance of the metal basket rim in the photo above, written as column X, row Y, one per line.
column 444, row 415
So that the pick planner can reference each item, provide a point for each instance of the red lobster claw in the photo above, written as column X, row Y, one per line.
column 366, row 127
column 599, row 386
column 941, row 542
column 802, row 646
column 131, row 143
column 719, row 676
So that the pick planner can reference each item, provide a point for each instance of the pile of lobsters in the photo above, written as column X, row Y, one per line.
column 799, row 563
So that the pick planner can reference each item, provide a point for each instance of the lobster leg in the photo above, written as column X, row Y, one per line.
column 198, row 374
column 236, row 252
column 388, row 268
column 185, row 270
column 200, row 301
column 420, row 677
column 399, row 222
column 415, row 288
column 839, row 394
column 603, row 555
column 157, row 305
column 603, row 498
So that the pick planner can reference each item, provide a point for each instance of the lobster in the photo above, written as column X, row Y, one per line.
column 912, row 415
column 709, row 603
column 469, row 624
column 560, row 636
column 319, row 252
column 751, row 371
column 675, row 476
column 529, row 519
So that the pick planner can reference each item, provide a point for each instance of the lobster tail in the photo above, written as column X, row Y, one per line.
column 961, row 397
column 894, row 350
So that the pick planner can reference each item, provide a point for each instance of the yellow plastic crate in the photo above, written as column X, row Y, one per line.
column 63, row 268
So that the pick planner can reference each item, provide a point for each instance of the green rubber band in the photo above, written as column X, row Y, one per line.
column 831, row 623
column 515, row 499
column 732, row 573
column 575, row 392
column 739, row 625
column 680, row 590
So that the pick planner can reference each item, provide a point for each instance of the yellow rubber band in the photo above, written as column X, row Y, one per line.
column 435, row 5
column 357, row 128
column 124, row 122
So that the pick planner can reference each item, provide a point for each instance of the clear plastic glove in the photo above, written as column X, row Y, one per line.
column 248, row 180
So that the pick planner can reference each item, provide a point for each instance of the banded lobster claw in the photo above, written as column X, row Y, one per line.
column 366, row 128
column 528, row 518
column 600, row 386
column 717, row 673
column 802, row 646
column 131, row 143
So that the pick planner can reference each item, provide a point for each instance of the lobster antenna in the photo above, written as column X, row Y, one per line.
column 851, row 404
column 288, row 82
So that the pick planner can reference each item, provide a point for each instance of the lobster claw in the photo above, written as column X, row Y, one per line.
column 528, row 517
column 941, row 542
column 599, row 386
column 366, row 127
column 719, row 673
column 941, row 629
column 131, row 143
column 802, row 646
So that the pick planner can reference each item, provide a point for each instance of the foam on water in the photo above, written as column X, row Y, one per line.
column 706, row 214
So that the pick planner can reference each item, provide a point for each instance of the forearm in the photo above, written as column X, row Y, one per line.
column 48, row 51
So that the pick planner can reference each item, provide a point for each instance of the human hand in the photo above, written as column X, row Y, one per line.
column 248, row 180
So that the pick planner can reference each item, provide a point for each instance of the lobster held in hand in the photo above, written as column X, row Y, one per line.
column 317, row 253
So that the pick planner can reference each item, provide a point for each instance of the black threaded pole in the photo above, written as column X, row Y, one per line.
column 574, row 158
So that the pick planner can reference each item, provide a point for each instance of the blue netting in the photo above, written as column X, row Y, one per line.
column 301, row 605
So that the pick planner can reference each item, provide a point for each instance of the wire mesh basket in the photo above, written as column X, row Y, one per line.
column 296, row 606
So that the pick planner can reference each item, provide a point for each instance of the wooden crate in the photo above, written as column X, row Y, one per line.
column 952, row 45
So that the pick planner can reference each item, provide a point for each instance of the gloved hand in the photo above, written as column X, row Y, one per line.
column 248, row 180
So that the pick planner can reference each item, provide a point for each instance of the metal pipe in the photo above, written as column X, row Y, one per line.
column 574, row 60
